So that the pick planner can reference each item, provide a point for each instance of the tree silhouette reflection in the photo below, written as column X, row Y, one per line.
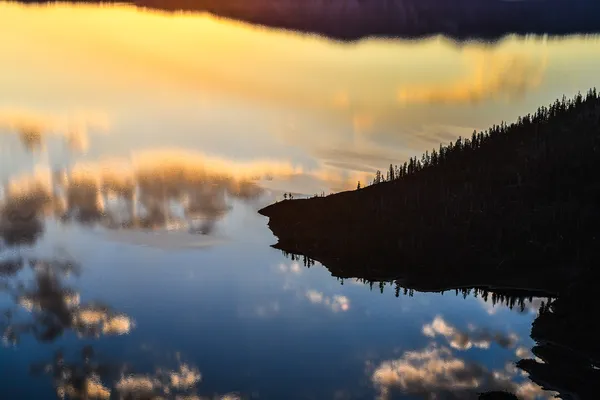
column 513, row 299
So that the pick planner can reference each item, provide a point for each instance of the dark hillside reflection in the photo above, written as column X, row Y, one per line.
column 568, row 353
column 350, row 20
column 567, row 356
column 511, row 298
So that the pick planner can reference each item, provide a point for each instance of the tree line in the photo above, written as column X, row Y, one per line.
column 458, row 153
column 520, row 299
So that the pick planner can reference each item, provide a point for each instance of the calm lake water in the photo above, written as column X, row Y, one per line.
column 135, row 150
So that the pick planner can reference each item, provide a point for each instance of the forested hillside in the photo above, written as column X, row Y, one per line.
column 515, row 199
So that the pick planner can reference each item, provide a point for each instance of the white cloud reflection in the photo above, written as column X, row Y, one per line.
column 464, row 340
column 523, row 352
column 100, row 319
column 294, row 268
column 34, row 126
column 92, row 389
column 163, row 382
column 83, row 380
column 436, row 373
column 267, row 310
column 492, row 76
column 335, row 303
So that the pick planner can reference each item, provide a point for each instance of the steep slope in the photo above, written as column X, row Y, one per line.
column 512, row 205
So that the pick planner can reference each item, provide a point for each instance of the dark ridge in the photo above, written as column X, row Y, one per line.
column 512, row 207
column 461, row 20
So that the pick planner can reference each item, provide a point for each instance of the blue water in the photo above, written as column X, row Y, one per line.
column 221, row 119
column 250, row 320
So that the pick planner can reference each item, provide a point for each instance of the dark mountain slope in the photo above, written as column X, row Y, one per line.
column 354, row 19
column 516, row 206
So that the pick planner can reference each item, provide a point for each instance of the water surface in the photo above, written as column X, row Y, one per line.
column 135, row 150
